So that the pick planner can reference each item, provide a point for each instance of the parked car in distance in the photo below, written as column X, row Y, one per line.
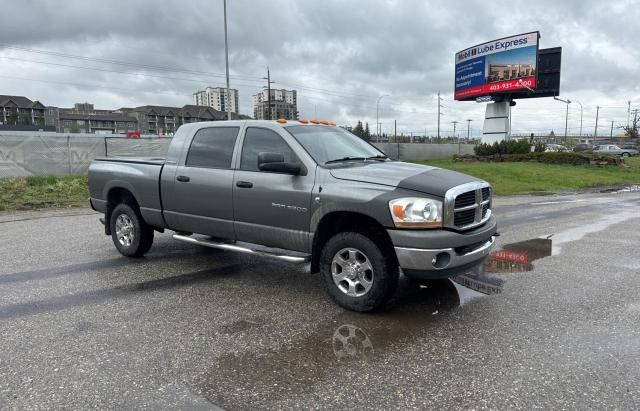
column 300, row 192
column 583, row 147
column 555, row 148
column 628, row 146
column 615, row 150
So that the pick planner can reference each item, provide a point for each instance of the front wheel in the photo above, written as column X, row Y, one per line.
column 625, row 154
column 356, row 272
column 130, row 234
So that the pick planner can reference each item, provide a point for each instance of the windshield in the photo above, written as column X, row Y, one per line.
column 333, row 144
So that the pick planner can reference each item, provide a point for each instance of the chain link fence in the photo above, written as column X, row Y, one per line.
column 40, row 154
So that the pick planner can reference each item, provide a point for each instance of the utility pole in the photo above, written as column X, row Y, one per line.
column 395, row 129
column 268, row 78
column 378, row 125
column 595, row 133
column 226, row 56
column 439, row 105
column 628, row 112
column 611, row 134
column 468, row 128
column 395, row 135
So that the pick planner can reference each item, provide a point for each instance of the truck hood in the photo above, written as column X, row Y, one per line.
column 425, row 179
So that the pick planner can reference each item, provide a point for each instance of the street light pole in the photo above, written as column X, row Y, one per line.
column 226, row 57
column 468, row 128
column 378, row 128
column 580, row 116
column 566, row 119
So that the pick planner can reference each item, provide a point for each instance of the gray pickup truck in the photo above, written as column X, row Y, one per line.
column 302, row 192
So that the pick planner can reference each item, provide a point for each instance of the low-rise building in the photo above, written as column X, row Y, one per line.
column 162, row 120
column 284, row 104
column 19, row 110
column 84, row 118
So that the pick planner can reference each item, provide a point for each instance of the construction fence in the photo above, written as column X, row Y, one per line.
column 44, row 153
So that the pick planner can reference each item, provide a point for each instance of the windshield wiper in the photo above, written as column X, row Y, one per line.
column 378, row 157
column 338, row 160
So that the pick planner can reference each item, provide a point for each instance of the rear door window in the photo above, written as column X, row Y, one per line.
column 212, row 147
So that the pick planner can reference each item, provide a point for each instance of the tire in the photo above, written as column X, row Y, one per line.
column 356, row 272
column 625, row 154
column 130, row 234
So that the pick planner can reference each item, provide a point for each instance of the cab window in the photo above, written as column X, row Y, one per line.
column 261, row 140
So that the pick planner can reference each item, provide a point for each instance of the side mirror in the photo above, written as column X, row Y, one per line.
column 274, row 162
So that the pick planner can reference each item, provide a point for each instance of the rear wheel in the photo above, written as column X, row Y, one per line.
column 130, row 234
column 356, row 272
column 625, row 154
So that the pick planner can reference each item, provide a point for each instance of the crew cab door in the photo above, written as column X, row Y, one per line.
column 201, row 199
column 270, row 208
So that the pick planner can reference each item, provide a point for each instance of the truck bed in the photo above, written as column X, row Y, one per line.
column 156, row 161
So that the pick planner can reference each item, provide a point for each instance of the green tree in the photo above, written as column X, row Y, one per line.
column 12, row 117
column 24, row 119
column 358, row 130
column 367, row 133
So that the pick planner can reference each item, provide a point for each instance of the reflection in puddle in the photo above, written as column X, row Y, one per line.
column 351, row 340
column 512, row 258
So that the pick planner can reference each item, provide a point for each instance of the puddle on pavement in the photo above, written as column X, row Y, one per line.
column 511, row 258
column 352, row 340
column 628, row 189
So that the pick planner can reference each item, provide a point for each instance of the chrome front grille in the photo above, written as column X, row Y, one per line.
column 467, row 206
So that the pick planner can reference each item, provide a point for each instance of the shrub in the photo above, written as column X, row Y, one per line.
column 539, row 147
column 503, row 147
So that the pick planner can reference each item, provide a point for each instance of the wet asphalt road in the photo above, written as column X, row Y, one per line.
column 556, row 324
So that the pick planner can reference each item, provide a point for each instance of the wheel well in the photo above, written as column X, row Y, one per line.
column 117, row 195
column 343, row 221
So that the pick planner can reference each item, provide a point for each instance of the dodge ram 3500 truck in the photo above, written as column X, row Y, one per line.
column 300, row 191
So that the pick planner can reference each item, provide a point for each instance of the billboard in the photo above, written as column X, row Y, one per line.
column 500, row 66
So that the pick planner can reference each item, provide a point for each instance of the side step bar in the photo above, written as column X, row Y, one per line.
column 233, row 247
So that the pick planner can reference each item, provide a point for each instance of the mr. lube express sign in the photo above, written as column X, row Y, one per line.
column 497, row 67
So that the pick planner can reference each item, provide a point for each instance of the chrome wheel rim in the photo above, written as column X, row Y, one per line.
column 352, row 272
column 125, row 231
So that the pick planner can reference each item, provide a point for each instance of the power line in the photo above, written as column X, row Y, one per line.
column 119, row 62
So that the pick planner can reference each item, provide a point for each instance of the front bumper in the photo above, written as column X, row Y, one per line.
column 442, row 253
column 443, row 262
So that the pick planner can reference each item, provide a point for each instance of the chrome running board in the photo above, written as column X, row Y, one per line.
column 237, row 248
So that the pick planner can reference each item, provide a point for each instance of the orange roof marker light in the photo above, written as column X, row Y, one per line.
column 324, row 122
column 331, row 123
column 303, row 121
column 314, row 121
column 281, row 120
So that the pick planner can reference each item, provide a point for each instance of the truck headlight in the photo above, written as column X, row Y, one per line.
column 416, row 212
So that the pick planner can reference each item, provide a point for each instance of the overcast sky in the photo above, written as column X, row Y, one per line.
column 340, row 55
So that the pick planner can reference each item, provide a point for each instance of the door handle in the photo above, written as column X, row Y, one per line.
column 183, row 179
column 244, row 184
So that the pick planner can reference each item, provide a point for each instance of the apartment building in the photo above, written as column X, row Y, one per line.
column 85, row 118
column 19, row 110
column 215, row 97
column 163, row 120
column 284, row 104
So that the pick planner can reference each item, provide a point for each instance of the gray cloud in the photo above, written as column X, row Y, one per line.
column 339, row 54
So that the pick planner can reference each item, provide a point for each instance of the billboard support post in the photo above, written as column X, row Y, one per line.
column 496, row 122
